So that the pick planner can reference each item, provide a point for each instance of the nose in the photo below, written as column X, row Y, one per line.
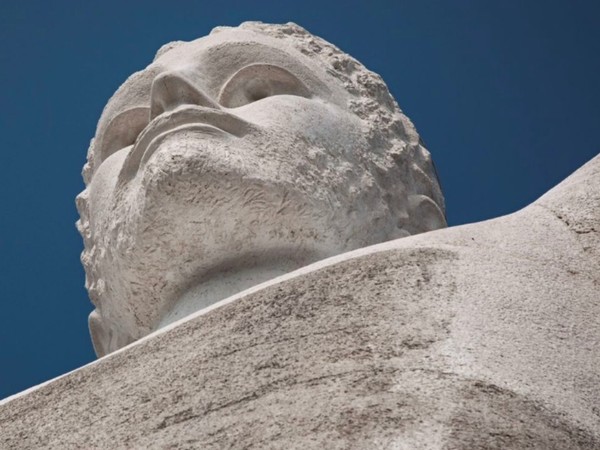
column 172, row 89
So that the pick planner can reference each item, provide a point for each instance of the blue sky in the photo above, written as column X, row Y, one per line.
column 505, row 95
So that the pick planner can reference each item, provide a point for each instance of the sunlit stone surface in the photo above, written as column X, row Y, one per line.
column 479, row 336
column 236, row 158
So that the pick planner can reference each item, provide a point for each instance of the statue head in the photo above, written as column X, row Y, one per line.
column 232, row 159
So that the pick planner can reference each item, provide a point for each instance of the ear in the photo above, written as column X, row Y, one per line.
column 100, row 335
column 426, row 213
column 106, row 339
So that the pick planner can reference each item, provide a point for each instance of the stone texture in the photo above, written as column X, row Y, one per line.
column 235, row 158
column 479, row 336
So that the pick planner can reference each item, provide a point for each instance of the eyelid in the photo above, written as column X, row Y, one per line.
column 122, row 130
column 272, row 79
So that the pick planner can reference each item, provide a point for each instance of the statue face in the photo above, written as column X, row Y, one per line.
column 229, row 152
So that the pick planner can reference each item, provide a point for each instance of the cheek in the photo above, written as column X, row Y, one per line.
column 319, row 123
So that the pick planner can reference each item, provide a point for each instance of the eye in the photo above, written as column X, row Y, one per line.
column 258, row 81
column 122, row 130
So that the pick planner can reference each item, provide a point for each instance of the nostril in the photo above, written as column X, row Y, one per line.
column 172, row 89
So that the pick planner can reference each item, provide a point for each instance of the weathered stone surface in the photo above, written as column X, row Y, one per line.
column 480, row 336
column 236, row 158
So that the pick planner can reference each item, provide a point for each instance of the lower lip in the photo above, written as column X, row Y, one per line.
column 201, row 128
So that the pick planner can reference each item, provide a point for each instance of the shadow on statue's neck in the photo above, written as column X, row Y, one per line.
column 229, row 282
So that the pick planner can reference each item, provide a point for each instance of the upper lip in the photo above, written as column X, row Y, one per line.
column 185, row 115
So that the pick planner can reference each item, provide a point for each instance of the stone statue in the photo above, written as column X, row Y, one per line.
column 261, row 150
column 236, row 158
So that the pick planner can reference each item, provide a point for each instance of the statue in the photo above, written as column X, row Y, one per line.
column 236, row 158
column 261, row 150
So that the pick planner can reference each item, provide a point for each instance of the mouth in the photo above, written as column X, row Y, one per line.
column 211, row 121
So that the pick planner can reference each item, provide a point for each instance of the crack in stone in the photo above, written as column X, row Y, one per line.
column 564, row 220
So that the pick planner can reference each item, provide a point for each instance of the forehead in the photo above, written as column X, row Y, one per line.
column 211, row 60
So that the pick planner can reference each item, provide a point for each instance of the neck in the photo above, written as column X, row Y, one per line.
column 225, row 284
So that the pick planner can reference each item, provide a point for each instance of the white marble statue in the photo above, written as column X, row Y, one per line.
column 236, row 158
column 262, row 150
